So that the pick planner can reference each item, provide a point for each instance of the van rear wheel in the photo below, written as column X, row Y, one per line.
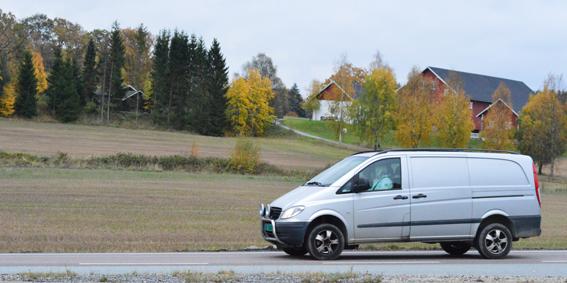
column 325, row 242
column 456, row 248
column 297, row 252
column 494, row 241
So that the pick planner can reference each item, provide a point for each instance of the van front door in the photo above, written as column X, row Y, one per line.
column 382, row 207
column 441, row 204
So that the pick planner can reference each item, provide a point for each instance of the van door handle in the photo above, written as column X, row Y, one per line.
column 419, row 196
column 400, row 197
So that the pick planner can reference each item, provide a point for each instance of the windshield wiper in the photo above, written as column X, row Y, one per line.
column 315, row 183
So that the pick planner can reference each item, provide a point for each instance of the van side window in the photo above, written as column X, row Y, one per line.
column 382, row 175
column 496, row 172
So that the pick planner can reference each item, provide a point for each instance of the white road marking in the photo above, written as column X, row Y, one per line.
column 554, row 261
column 143, row 263
column 381, row 262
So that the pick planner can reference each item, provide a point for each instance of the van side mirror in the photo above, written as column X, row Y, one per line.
column 361, row 185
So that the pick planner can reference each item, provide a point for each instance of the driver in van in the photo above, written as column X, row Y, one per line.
column 382, row 178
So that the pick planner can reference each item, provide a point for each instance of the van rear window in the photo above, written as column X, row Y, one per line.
column 496, row 172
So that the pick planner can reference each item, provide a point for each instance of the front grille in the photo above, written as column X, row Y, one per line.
column 275, row 213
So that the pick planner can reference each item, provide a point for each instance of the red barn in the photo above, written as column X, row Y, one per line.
column 480, row 89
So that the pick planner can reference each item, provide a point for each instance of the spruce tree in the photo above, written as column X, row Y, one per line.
column 199, row 100
column 69, row 97
column 179, row 56
column 116, row 65
column 217, row 88
column 25, row 105
column 295, row 100
column 160, row 79
column 55, row 82
column 89, row 74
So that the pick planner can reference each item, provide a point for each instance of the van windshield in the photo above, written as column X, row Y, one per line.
column 333, row 173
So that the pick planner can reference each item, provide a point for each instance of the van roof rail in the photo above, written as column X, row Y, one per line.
column 437, row 150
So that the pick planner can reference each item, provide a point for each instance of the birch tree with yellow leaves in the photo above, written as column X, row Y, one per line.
column 373, row 113
column 543, row 127
column 415, row 112
column 248, row 105
column 454, row 117
column 8, row 99
column 238, row 107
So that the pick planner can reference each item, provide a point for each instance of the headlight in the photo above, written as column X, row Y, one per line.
column 292, row 211
column 262, row 210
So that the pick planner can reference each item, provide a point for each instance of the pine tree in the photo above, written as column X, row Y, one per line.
column 117, row 64
column 25, row 105
column 217, row 87
column 160, row 79
column 89, row 73
column 179, row 56
column 295, row 101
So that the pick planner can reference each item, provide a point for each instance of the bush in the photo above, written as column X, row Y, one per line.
column 194, row 149
column 91, row 108
column 245, row 157
column 244, row 160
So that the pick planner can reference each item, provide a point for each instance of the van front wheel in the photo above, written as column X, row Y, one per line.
column 325, row 242
column 456, row 248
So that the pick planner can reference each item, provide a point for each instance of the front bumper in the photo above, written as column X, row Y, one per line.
column 290, row 234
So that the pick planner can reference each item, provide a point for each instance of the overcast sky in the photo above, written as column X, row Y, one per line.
column 521, row 40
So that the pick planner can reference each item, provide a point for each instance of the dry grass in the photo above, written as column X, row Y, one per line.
column 554, row 226
column 71, row 210
column 84, row 141
column 68, row 210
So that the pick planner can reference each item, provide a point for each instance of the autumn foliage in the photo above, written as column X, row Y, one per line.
column 248, row 104
column 373, row 112
column 39, row 72
column 454, row 123
column 543, row 127
column 7, row 100
column 415, row 111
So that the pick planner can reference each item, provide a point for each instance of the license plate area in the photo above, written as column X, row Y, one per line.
column 268, row 227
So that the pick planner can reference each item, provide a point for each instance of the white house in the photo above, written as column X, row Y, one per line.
column 333, row 95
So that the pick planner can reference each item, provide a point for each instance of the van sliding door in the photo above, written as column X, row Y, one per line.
column 441, row 204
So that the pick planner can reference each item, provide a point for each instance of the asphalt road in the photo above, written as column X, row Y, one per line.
column 518, row 263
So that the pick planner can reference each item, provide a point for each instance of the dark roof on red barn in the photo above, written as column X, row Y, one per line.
column 481, row 87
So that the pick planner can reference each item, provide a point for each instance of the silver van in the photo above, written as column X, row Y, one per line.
column 457, row 198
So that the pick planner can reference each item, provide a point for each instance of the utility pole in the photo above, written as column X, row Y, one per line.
column 109, row 94
column 102, row 91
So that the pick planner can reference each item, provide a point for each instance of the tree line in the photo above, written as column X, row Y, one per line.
column 79, row 73
column 417, row 115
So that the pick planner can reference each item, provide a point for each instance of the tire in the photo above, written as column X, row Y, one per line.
column 325, row 242
column 297, row 252
column 456, row 248
column 494, row 241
